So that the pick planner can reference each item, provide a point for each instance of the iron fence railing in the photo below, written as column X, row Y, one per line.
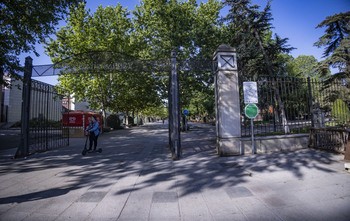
column 42, row 125
column 46, row 129
column 294, row 105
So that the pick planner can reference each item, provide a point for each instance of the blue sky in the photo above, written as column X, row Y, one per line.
column 293, row 19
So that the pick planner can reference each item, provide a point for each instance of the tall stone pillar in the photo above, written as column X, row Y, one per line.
column 227, row 106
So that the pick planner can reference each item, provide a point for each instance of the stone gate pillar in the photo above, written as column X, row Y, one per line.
column 227, row 106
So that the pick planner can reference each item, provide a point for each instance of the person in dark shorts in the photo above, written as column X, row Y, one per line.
column 94, row 130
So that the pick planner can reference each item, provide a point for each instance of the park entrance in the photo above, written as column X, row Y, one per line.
column 282, row 107
column 42, row 126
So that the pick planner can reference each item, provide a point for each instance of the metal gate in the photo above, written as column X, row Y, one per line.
column 42, row 127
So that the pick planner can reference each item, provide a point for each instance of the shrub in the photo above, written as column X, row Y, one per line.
column 113, row 121
column 340, row 112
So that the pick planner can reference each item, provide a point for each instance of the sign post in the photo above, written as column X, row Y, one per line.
column 250, row 90
column 251, row 111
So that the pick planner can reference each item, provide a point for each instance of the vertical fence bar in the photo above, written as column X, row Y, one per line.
column 273, row 102
column 291, row 104
column 33, row 108
column 306, row 108
column 263, row 105
column 310, row 103
column 46, row 118
column 284, row 85
column 68, row 117
column 318, row 93
column 334, row 105
column 294, row 103
column 35, row 127
column 39, row 116
column 301, row 113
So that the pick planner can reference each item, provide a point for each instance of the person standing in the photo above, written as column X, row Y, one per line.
column 94, row 130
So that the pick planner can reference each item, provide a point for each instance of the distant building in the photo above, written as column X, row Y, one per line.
column 11, row 101
column 4, row 101
column 75, row 106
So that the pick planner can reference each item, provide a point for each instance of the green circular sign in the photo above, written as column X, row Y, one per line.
column 251, row 111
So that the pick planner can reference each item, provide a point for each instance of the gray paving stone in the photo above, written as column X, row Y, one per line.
column 193, row 206
column 238, row 192
column 6, row 207
column 77, row 211
column 40, row 217
column 165, row 211
column 13, row 216
column 136, row 179
column 235, row 217
column 263, row 215
column 164, row 197
column 59, row 204
column 25, row 207
column 307, row 212
column 109, row 208
column 137, row 206
column 196, row 218
column 221, row 205
column 249, row 205
column 336, row 209
column 93, row 197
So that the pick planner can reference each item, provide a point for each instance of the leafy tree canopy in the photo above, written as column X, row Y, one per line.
column 88, row 40
column 336, row 43
column 25, row 23
column 304, row 66
column 259, row 53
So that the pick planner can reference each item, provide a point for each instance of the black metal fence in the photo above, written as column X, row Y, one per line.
column 333, row 139
column 47, row 130
column 294, row 105
column 42, row 125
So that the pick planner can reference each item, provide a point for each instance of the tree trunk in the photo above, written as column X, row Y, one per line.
column 127, row 119
column 133, row 117
column 103, row 108
column 274, row 84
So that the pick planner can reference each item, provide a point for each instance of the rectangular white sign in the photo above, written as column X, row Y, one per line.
column 250, row 91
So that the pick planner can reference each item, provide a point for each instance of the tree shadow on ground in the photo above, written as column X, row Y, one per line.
column 142, row 154
column 215, row 172
column 39, row 195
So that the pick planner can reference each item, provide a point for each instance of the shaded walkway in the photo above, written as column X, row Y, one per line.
column 136, row 179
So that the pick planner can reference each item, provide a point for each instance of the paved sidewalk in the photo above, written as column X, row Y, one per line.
column 136, row 179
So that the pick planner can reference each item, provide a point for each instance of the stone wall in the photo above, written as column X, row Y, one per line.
column 275, row 143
